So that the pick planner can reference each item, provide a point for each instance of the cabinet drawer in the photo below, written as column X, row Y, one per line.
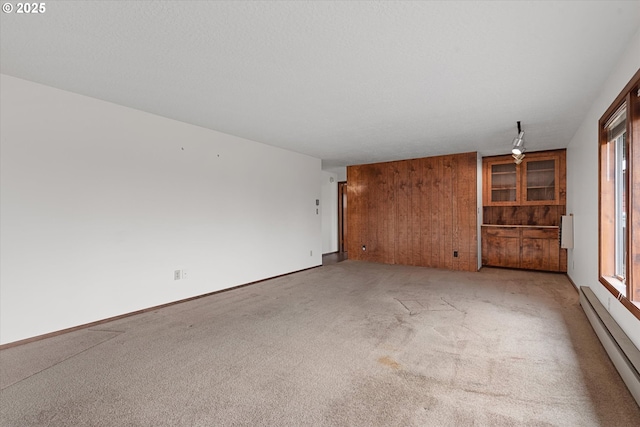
column 502, row 231
column 540, row 233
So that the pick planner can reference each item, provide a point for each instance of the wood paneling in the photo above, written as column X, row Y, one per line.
column 415, row 246
column 415, row 212
column 427, row 226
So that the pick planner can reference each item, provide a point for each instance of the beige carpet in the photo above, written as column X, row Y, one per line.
column 350, row 344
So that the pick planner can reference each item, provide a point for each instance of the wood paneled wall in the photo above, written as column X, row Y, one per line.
column 415, row 212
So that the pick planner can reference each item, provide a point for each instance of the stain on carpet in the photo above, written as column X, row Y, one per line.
column 387, row 361
column 413, row 307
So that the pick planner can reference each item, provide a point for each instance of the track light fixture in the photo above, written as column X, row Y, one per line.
column 518, row 146
column 518, row 158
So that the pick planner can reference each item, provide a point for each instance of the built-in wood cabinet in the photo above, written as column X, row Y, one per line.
column 538, row 180
column 540, row 184
column 522, row 209
column 503, row 180
column 526, row 247
column 540, row 249
column 501, row 246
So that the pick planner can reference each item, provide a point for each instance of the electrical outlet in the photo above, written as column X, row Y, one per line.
column 176, row 275
column 455, row 254
column 184, row 274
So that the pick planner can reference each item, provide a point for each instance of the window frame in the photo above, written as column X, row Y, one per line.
column 621, row 207
column 626, row 292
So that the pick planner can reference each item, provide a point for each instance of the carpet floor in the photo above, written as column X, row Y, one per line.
column 348, row 344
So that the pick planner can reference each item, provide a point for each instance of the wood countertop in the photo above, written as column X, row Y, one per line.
column 520, row 226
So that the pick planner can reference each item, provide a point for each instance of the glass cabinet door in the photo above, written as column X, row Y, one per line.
column 504, row 182
column 540, row 180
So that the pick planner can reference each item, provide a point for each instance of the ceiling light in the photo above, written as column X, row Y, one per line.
column 518, row 145
column 518, row 158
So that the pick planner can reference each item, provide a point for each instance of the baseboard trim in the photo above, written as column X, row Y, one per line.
column 144, row 310
column 621, row 350
column 577, row 289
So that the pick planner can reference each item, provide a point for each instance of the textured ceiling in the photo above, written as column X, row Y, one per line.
column 346, row 82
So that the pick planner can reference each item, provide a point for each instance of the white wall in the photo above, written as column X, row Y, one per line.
column 340, row 172
column 329, row 211
column 582, row 192
column 101, row 203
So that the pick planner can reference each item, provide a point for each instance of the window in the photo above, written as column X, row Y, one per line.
column 616, row 151
column 619, row 145
column 619, row 210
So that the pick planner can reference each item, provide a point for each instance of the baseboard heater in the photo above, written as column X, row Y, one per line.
column 622, row 352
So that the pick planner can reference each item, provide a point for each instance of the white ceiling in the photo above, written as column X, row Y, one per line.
column 346, row 82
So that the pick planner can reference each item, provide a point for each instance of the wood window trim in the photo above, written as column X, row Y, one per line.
column 633, row 307
column 632, row 298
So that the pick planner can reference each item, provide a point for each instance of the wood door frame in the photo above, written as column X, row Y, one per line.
column 342, row 217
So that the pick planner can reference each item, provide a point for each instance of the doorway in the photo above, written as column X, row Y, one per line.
column 342, row 216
